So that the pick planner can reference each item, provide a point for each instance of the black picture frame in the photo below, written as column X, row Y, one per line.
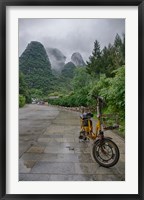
column 3, row 125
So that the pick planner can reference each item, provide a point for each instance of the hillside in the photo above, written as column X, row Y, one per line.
column 36, row 67
column 68, row 70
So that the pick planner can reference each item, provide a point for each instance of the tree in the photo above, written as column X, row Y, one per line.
column 94, row 64
column 96, row 51
column 22, row 84
column 36, row 93
column 81, row 78
column 23, row 88
column 116, row 95
column 68, row 70
column 107, row 60
column 22, row 100
column 119, row 47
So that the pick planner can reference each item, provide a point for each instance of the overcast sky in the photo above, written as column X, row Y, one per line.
column 70, row 35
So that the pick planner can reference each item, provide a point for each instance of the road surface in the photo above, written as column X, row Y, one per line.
column 49, row 149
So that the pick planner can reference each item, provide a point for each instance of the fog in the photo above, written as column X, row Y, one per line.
column 70, row 35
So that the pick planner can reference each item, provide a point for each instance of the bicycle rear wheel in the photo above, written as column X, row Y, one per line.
column 105, row 152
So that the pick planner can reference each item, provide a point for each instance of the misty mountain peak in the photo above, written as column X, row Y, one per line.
column 57, row 58
column 77, row 59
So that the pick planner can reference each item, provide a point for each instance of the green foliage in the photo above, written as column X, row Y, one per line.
column 23, row 88
column 35, row 65
column 78, row 96
column 113, row 92
column 22, row 84
column 61, row 84
column 68, row 70
column 108, row 59
column 81, row 79
column 54, row 94
column 36, row 93
column 74, row 100
column 22, row 100
column 116, row 95
column 107, row 66
column 94, row 63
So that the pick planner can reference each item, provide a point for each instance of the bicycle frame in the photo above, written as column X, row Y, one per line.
column 89, row 128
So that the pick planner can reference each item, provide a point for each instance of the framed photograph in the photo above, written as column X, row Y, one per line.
column 71, row 103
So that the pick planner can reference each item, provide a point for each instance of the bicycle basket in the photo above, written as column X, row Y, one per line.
column 110, row 121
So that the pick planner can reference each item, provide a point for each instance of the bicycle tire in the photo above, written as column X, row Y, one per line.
column 99, row 150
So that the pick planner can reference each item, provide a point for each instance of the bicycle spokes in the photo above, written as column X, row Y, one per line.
column 106, row 152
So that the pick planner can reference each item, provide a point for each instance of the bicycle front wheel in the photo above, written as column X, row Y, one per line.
column 106, row 152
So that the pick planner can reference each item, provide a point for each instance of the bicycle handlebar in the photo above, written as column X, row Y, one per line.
column 100, row 103
column 98, row 98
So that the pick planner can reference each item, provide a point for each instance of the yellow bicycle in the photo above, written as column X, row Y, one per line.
column 104, row 150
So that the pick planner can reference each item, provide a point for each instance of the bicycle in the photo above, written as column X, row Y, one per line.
column 104, row 150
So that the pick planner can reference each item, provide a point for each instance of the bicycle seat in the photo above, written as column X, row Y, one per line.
column 86, row 115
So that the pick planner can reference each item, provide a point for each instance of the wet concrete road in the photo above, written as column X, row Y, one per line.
column 49, row 149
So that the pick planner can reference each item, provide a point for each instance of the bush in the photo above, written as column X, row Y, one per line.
column 71, row 100
column 28, row 99
column 22, row 101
